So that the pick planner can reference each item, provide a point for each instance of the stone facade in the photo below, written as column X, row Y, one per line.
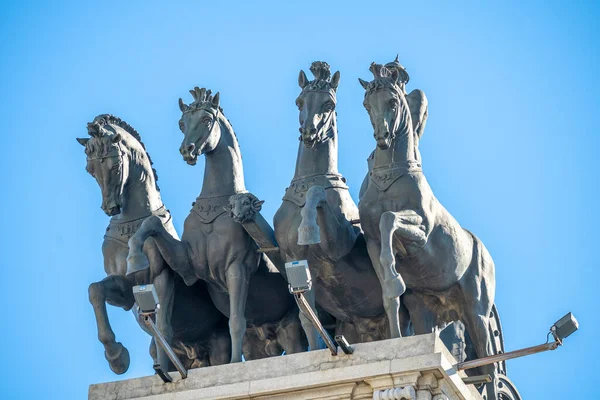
column 411, row 368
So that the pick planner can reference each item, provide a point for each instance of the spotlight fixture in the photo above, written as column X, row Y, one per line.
column 147, row 301
column 300, row 282
column 561, row 329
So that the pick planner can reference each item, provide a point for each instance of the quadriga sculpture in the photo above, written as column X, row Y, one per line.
column 217, row 249
column 317, row 220
column 419, row 250
column 118, row 160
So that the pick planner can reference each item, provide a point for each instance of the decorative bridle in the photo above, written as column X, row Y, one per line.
column 321, row 84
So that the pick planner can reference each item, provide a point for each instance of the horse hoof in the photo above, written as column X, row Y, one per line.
column 308, row 235
column 137, row 262
column 119, row 363
column 393, row 288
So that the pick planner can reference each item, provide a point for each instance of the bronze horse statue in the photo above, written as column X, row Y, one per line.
column 420, row 252
column 215, row 248
column 317, row 220
column 117, row 158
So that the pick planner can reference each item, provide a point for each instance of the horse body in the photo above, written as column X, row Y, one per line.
column 315, row 220
column 118, row 161
column 443, row 272
column 216, row 249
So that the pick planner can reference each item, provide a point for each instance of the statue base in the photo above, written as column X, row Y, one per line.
column 415, row 368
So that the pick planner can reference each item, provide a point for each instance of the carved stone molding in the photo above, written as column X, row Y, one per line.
column 404, row 393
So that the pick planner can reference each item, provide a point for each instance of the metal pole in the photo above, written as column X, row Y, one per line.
column 309, row 313
column 162, row 342
column 507, row 356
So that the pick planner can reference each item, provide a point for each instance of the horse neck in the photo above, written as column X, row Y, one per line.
column 321, row 159
column 140, row 193
column 404, row 148
column 224, row 172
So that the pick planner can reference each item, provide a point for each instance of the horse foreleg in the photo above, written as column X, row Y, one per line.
column 174, row 251
column 290, row 335
column 339, row 235
column 478, row 288
column 115, row 290
column 164, row 286
column 237, row 286
column 308, row 230
column 391, row 298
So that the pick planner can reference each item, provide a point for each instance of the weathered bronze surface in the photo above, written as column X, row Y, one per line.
column 117, row 159
column 420, row 252
column 314, row 221
column 217, row 249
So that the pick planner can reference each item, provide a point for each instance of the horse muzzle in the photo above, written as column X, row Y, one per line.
column 111, row 209
column 189, row 153
column 309, row 137
column 383, row 140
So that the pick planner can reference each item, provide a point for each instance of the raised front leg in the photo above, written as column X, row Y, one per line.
column 409, row 226
column 115, row 290
column 338, row 236
column 174, row 251
column 237, row 286
column 391, row 298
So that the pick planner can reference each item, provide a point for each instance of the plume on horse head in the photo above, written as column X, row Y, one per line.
column 322, row 82
column 385, row 76
column 203, row 99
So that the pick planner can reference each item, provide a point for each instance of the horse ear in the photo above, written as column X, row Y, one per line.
column 258, row 204
column 395, row 75
column 182, row 105
column 335, row 80
column 302, row 79
column 216, row 100
column 83, row 141
column 116, row 138
column 364, row 84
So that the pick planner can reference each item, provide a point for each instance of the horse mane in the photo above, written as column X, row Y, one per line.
column 103, row 119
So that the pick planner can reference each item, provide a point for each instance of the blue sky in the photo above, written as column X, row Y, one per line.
column 510, row 149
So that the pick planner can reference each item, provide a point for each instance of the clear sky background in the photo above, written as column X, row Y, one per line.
column 510, row 149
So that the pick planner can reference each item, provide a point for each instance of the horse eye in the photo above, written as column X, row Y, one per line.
column 328, row 107
column 299, row 104
column 206, row 120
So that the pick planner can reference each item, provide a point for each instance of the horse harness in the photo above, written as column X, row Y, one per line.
column 120, row 232
column 296, row 192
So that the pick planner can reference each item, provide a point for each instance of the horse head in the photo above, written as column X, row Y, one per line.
column 199, row 124
column 114, row 151
column 105, row 153
column 385, row 102
column 317, row 104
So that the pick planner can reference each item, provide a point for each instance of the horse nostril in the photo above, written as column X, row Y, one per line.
column 313, row 131
column 190, row 147
column 386, row 135
column 300, row 129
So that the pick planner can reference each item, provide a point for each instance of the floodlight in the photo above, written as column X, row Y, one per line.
column 298, row 276
column 146, row 298
column 560, row 330
column 147, row 301
column 564, row 327
column 300, row 282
